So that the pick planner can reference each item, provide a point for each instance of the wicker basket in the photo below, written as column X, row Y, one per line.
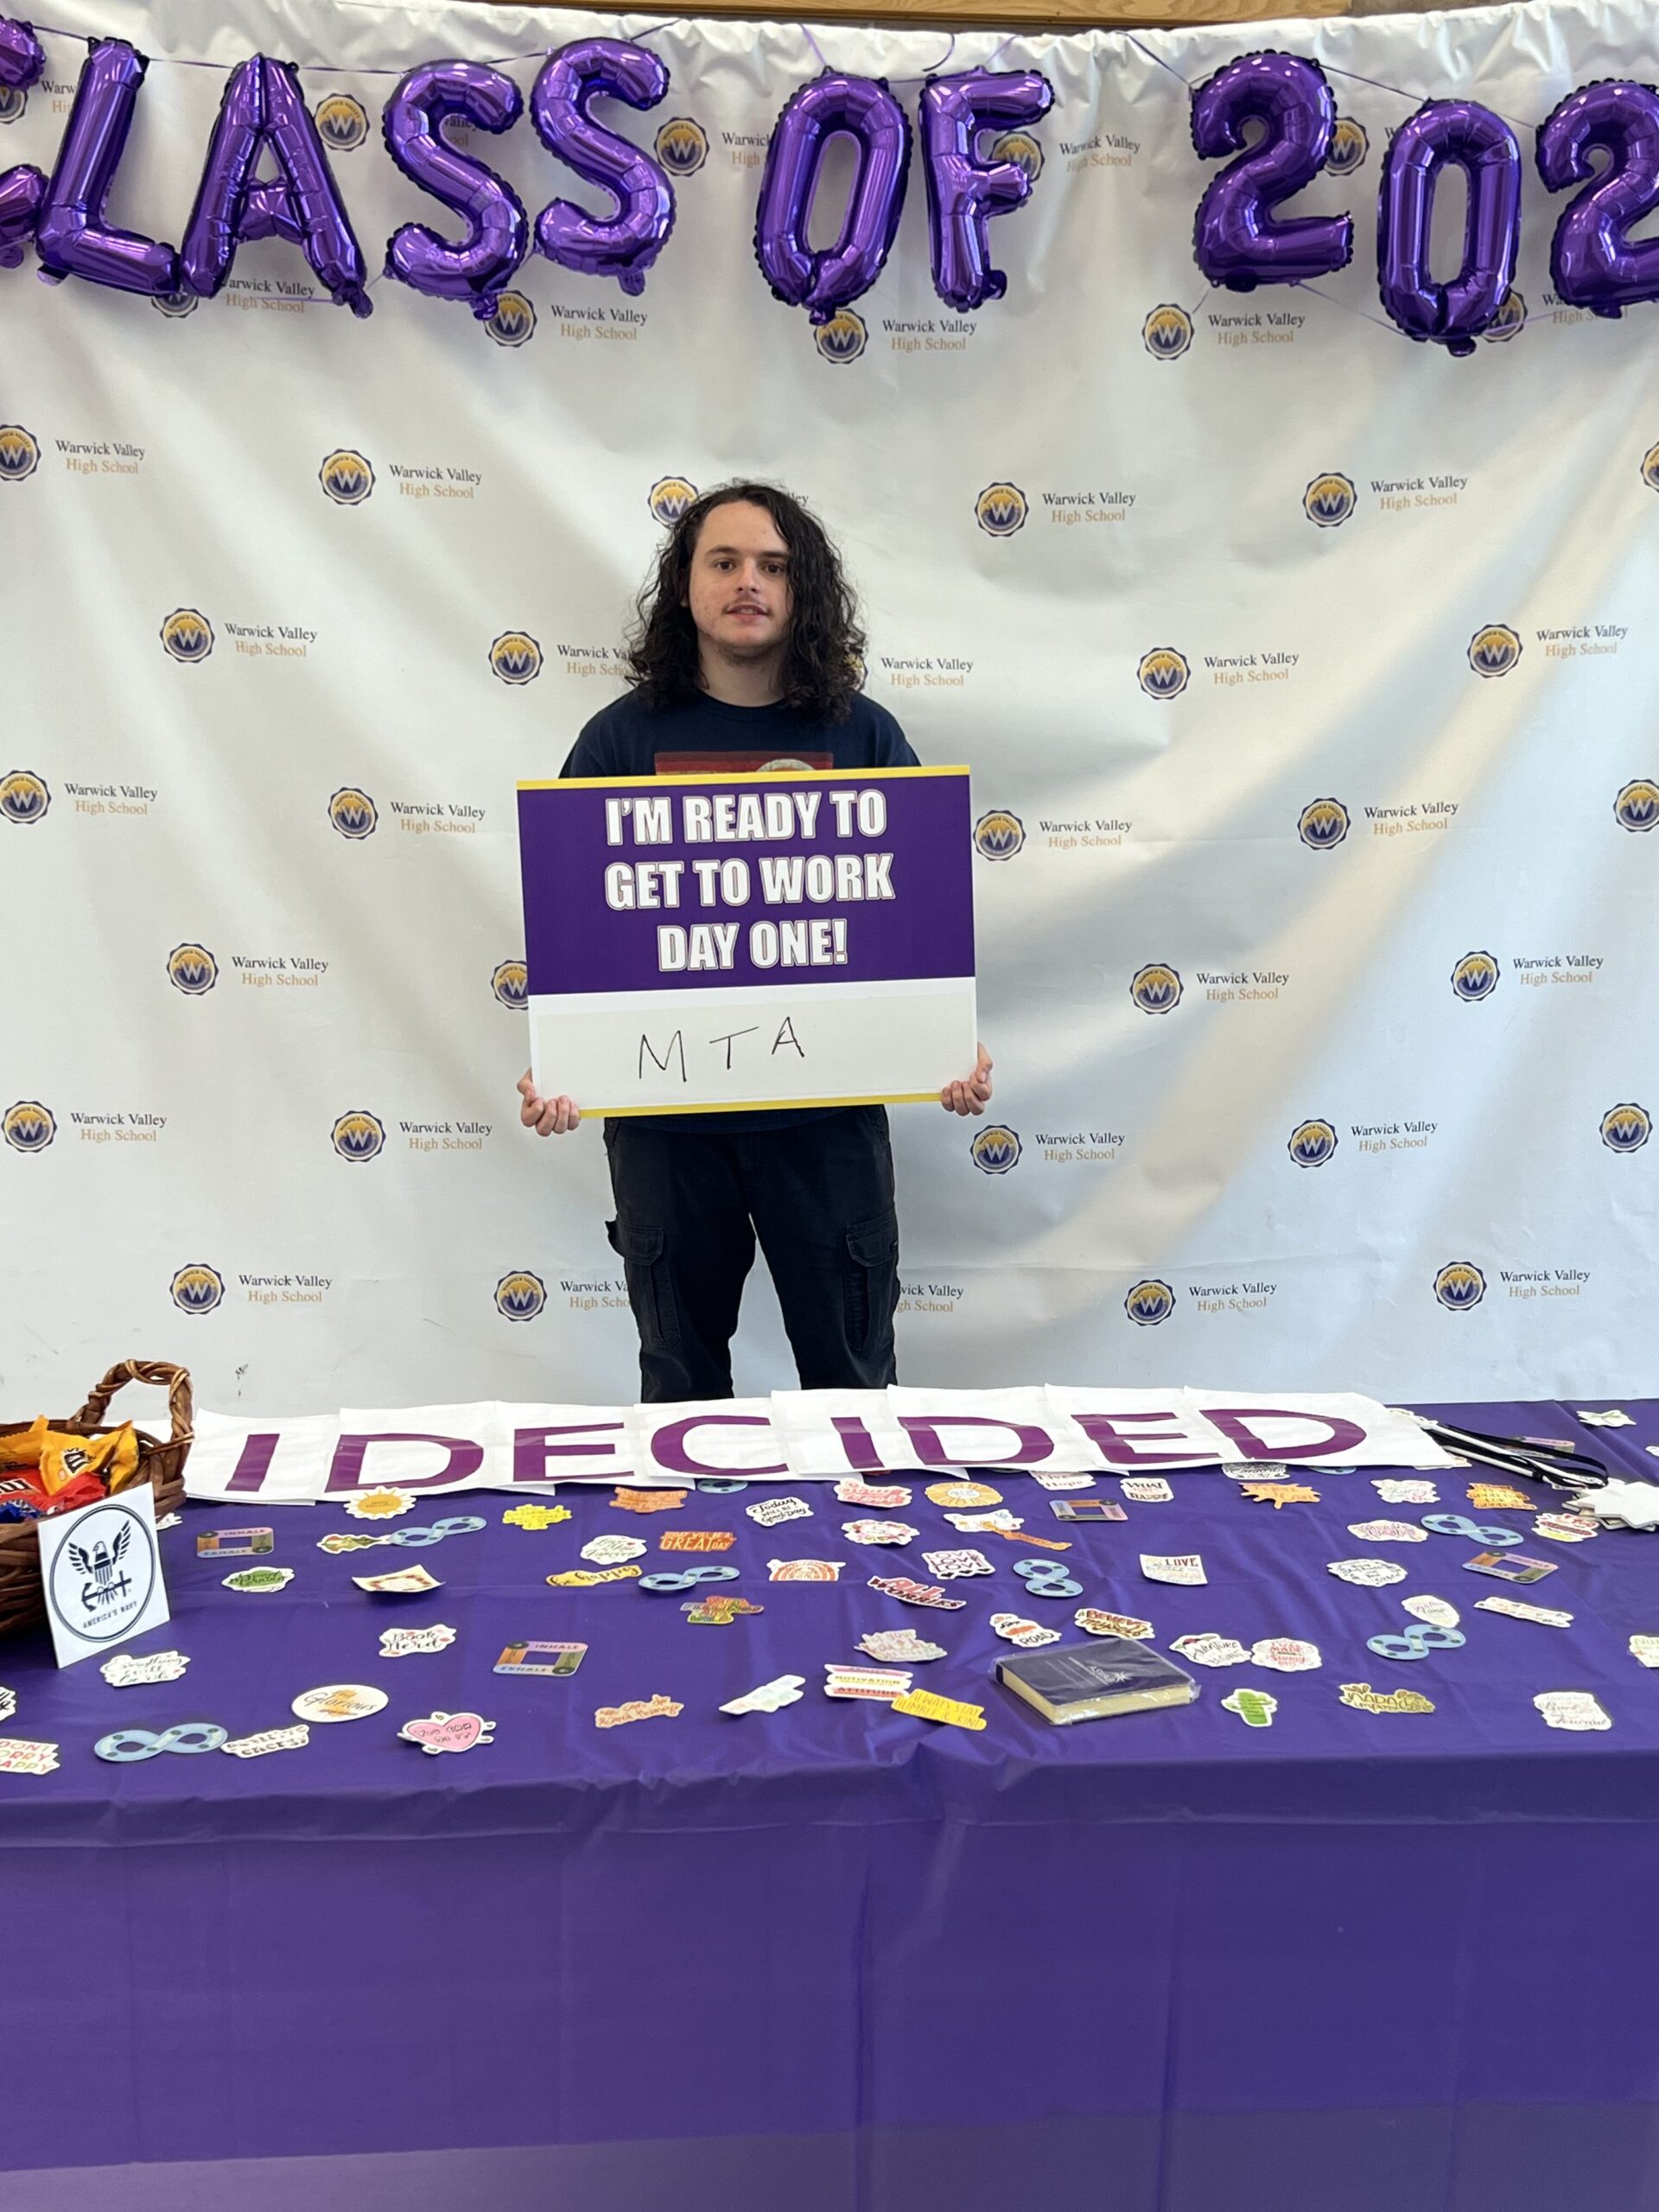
column 22, row 1601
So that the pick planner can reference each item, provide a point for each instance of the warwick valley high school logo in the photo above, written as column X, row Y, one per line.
column 520, row 1296
column 353, row 813
column 1022, row 149
column 510, row 983
column 1495, row 649
column 1149, row 1302
column 342, row 123
column 25, row 798
column 513, row 323
column 1163, row 673
column 1155, row 988
column 1475, row 977
column 1323, row 824
column 1311, row 1143
column 29, row 1127
column 1167, row 333
column 346, row 478
column 1624, row 1128
column 1329, row 501
column 20, row 453
column 186, row 635
column 669, row 498
column 681, row 146
column 516, row 657
column 998, row 835
column 193, row 970
column 995, row 1150
column 198, row 1288
column 1001, row 509
column 1636, row 806
column 843, row 338
column 1459, row 1286
column 358, row 1136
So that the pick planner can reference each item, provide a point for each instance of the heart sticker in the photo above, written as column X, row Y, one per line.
column 448, row 1732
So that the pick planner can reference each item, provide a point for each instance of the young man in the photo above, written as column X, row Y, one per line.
column 746, row 657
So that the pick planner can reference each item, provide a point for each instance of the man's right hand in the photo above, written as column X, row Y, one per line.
column 549, row 1117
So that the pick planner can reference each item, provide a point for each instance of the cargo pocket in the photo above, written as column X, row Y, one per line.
column 650, row 1292
column 872, row 1279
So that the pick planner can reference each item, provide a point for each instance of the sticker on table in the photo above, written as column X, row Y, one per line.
column 648, row 1709
column 406, row 1642
column 696, row 1540
column 1545, row 1615
column 1509, row 1566
column 340, row 1701
column 998, row 1523
column 718, row 1609
column 232, row 1543
column 1405, row 1490
column 176, row 1521
column 770, row 1697
column 406, row 1582
column 879, row 1532
column 612, row 1551
column 380, row 1504
column 8, row 1701
column 123, row 1672
column 260, row 1578
column 1256, row 1708
column 1146, row 1489
column 965, row 1495
column 1279, row 1495
column 1094, row 1621
column 1046, row 1577
column 1251, row 1470
column 449, row 1731
column 1174, row 1566
column 950, row 1567
column 1365, row 1699
column 648, row 1501
column 722, row 1485
column 1063, row 1482
column 557, row 1660
column 18, row 1755
column 1387, row 1531
column 1566, row 1528
column 584, row 1578
column 880, row 1685
column 686, row 1577
column 1024, row 1536
column 1499, row 1497
column 344, row 1540
column 535, row 1516
column 1575, row 1709
column 1210, row 1650
column 126, row 1746
column 268, row 1740
column 1030, row 1635
column 1436, row 1611
column 1286, row 1655
column 894, row 1645
column 805, row 1570
column 1367, row 1573
column 878, row 1496
column 1614, row 1419
column 1644, row 1649
column 1086, row 1509
column 910, row 1593
column 773, row 1512
column 1415, row 1642
column 949, row 1711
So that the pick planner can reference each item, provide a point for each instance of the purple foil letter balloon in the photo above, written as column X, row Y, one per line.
column 70, row 236
column 1593, row 262
column 863, row 110
column 1483, row 146
column 265, row 109
column 22, row 188
column 497, row 233
column 625, row 244
column 963, row 192
column 1236, row 239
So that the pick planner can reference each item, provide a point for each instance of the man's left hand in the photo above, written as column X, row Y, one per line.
column 973, row 1095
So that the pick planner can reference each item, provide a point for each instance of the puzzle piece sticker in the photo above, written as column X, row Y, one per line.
column 578, row 1578
column 949, row 1565
column 1175, row 1566
column 406, row 1642
column 449, row 1731
column 965, row 1495
column 805, row 1570
column 1545, row 1615
column 1367, row 1573
column 612, row 1551
column 1093, row 1622
column 1030, row 1635
column 536, row 1516
column 1256, row 1708
column 1387, row 1531
column 19, row 1756
column 267, row 1740
column 1365, row 1699
column 123, row 1672
column 894, row 1645
column 1644, row 1649
column 696, row 1540
column 648, row 1501
column 380, row 1504
column 260, row 1578
column 878, row 1685
column 771, row 1513
column 1210, row 1650
column 1575, row 1709
column 1436, row 1611
column 1405, row 1490
column 910, row 1593
column 878, row 1532
column 1498, row 1498
column 881, row 1495
column 1146, row 1489
column 770, row 1697
column 922, row 1705
column 1289, row 1655
column 1279, row 1495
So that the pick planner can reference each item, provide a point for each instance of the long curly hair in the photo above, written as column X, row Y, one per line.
column 823, row 661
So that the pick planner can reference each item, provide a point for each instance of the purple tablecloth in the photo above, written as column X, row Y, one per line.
column 835, row 1958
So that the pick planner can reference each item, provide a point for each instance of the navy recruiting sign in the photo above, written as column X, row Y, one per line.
column 745, row 941
column 101, row 1566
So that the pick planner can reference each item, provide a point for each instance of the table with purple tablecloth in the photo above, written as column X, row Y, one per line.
column 835, row 1958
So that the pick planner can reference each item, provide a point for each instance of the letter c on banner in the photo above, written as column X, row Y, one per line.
column 22, row 189
column 863, row 110
column 1234, row 1422
column 668, row 1446
column 498, row 229
column 626, row 244
column 465, row 1458
column 963, row 192
column 1483, row 146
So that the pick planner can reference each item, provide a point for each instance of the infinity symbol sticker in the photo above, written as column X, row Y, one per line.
column 127, row 1744
column 685, row 1580
column 1046, row 1577
column 1414, row 1643
column 340, row 1541
column 1460, row 1525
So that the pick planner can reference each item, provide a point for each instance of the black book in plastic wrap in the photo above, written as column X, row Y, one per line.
column 1090, row 1682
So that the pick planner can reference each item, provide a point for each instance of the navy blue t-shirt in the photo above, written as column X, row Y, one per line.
column 629, row 738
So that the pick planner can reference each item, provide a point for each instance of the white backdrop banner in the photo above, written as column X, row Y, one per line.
column 1307, row 676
